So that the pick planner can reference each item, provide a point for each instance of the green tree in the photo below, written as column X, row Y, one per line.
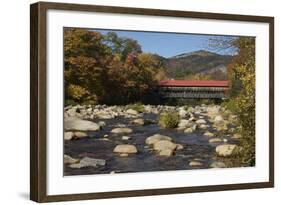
column 121, row 45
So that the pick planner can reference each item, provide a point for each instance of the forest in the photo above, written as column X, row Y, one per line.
column 107, row 69
column 99, row 68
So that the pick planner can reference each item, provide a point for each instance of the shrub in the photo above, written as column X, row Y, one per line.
column 137, row 106
column 76, row 92
column 69, row 102
column 169, row 120
column 231, row 104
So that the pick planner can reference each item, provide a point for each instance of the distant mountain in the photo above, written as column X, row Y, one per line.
column 202, row 61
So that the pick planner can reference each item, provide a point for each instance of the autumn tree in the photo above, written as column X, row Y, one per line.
column 106, row 68
column 84, row 64
column 241, row 75
column 243, row 68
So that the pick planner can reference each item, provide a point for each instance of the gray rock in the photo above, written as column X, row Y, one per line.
column 218, row 119
column 71, row 112
column 217, row 164
column 132, row 112
column 195, row 164
column 148, row 108
column 79, row 134
column 89, row 109
column 124, row 155
column 190, row 109
column 232, row 118
column 236, row 136
column 182, row 113
column 215, row 140
column 120, row 125
column 203, row 126
column 68, row 135
column 122, row 130
column 138, row 121
column 201, row 121
column 184, row 123
column 225, row 150
column 104, row 139
column 188, row 130
column 179, row 147
column 194, row 127
column 221, row 127
column 213, row 110
column 101, row 123
column 208, row 134
column 105, row 116
column 125, row 148
column 164, row 145
column 126, row 137
column 69, row 160
column 155, row 138
column 166, row 153
column 80, row 125
column 88, row 162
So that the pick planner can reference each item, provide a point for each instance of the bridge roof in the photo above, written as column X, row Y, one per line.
column 192, row 83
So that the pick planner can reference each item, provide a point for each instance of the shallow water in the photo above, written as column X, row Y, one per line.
column 196, row 146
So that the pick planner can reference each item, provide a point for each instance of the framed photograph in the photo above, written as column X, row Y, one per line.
column 134, row 102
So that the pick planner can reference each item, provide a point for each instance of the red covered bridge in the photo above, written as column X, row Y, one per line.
column 193, row 89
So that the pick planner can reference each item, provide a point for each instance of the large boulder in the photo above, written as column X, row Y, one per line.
column 121, row 130
column 226, row 150
column 155, row 138
column 81, row 125
column 164, row 145
column 125, row 149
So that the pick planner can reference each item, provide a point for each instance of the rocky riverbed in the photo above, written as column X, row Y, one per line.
column 104, row 139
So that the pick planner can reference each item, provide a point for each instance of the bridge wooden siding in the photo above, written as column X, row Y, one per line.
column 193, row 89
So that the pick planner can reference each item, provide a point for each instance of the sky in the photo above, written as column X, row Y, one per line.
column 171, row 44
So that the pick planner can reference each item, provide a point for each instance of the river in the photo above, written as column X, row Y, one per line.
column 196, row 146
